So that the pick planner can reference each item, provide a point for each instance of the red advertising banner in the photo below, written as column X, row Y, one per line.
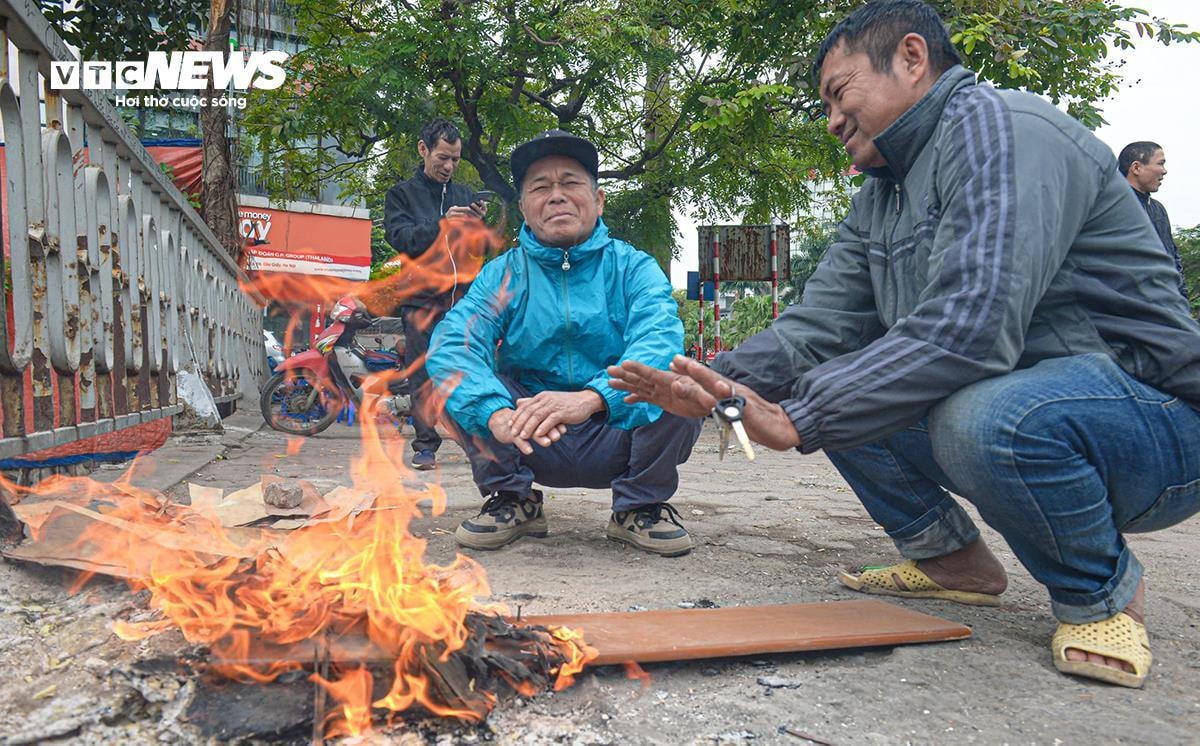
column 306, row 243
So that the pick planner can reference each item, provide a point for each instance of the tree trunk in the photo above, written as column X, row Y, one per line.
column 219, row 196
column 657, row 93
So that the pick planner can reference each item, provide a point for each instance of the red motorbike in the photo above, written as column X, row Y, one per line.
column 311, row 388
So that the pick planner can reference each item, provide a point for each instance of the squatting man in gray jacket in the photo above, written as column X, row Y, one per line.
column 996, row 319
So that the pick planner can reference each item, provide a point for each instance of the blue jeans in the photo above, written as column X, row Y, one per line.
column 640, row 465
column 1060, row 459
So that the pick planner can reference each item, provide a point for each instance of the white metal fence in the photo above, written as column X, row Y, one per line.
column 113, row 284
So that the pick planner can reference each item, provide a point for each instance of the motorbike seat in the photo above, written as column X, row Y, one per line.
column 386, row 325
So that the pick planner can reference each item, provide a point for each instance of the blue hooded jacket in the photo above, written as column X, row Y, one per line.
column 555, row 329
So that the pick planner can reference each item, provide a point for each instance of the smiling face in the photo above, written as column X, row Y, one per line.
column 861, row 102
column 559, row 203
column 1148, row 177
column 441, row 160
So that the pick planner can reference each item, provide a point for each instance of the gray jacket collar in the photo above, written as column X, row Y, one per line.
column 903, row 140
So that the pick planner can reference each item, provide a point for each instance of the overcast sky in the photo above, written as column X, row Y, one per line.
column 1157, row 101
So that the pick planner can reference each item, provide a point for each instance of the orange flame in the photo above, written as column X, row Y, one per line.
column 453, row 260
column 249, row 594
column 637, row 673
column 580, row 655
column 353, row 691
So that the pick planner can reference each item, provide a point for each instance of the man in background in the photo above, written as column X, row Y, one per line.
column 1144, row 165
column 412, row 216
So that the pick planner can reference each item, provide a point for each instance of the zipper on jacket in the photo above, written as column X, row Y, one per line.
column 446, row 243
column 567, row 313
column 897, row 198
column 566, row 265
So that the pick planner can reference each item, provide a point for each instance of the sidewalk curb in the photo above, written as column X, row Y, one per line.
column 186, row 453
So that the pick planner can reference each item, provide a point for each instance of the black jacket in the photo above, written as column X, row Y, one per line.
column 411, row 214
column 1162, row 226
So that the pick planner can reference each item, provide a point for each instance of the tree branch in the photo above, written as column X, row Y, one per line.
column 533, row 35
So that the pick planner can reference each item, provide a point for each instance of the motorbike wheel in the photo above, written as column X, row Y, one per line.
column 284, row 403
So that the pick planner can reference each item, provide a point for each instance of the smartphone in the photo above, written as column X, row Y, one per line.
column 482, row 196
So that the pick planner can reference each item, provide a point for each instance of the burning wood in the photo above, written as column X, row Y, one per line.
column 496, row 655
column 354, row 573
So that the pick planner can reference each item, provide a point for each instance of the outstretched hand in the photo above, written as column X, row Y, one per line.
column 675, row 392
column 691, row 389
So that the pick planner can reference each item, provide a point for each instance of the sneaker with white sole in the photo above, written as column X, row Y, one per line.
column 504, row 518
column 654, row 528
column 424, row 460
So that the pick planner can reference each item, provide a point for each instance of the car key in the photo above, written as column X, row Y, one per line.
column 729, row 414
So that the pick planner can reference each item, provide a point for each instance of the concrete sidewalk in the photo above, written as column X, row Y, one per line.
column 772, row 531
column 185, row 453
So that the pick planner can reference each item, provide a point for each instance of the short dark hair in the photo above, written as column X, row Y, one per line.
column 438, row 129
column 877, row 28
column 1139, row 151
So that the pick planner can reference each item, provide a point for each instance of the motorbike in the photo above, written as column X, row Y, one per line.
column 311, row 388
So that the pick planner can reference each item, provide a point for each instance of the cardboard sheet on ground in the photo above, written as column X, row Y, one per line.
column 78, row 531
column 246, row 506
column 205, row 499
column 241, row 508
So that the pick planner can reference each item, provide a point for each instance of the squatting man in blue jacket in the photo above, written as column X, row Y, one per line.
column 996, row 319
column 524, row 354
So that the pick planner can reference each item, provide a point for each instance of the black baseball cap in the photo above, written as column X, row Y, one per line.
column 554, row 142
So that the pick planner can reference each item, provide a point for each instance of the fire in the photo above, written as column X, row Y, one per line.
column 637, row 673
column 457, row 255
column 354, row 688
column 264, row 602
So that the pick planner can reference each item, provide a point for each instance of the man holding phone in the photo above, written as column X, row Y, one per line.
column 412, row 215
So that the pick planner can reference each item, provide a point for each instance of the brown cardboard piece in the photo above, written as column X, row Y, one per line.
column 73, row 530
column 687, row 634
column 692, row 634
column 205, row 499
column 69, row 533
column 246, row 506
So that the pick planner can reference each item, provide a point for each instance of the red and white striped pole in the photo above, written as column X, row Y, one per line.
column 316, row 324
column 774, row 270
column 716, row 289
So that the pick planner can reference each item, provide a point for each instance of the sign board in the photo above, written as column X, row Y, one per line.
column 291, row 241
column 693, row 287
column 306, row 243
column 745, row 251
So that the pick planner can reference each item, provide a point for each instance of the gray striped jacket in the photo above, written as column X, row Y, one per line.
column 999, row 234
